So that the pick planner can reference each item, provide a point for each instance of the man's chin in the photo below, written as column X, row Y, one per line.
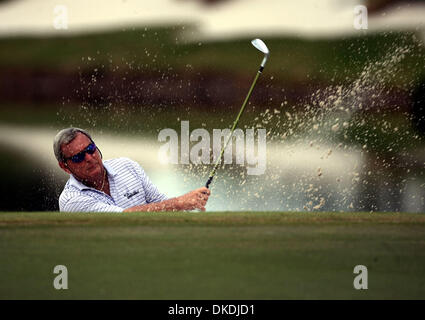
column 95, row 171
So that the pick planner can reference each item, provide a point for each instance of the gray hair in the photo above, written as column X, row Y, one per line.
column 65, row 136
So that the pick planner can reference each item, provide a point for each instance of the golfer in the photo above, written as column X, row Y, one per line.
column 113, row 185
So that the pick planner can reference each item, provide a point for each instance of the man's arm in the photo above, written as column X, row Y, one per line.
column 77, row 202
column 196, row 199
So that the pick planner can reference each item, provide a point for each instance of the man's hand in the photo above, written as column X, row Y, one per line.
column 196, row 199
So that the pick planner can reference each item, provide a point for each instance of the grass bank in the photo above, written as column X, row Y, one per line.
column 230, row 255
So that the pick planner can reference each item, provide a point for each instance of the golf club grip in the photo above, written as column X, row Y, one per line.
column 209, row 182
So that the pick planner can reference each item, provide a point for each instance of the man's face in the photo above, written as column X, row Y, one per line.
column 90, row 168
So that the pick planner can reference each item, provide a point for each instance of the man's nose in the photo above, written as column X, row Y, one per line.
column 88, row 156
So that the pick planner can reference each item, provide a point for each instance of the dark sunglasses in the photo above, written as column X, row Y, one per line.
column 80, row 156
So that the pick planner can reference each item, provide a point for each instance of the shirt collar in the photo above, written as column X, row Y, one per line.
column 81, row 186
column 75, row 183
column 109, row 169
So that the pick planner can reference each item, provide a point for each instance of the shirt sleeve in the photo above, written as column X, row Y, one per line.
column 85, row 203
column 151, row 191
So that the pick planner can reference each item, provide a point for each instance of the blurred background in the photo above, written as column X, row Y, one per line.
column 343, row 106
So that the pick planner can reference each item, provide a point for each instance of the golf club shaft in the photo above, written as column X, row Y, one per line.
column 210, row 178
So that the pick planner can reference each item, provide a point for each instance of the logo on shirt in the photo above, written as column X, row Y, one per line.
column 128, row 195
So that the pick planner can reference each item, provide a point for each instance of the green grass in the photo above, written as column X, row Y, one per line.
column 166, row 49
column 147, row 121
column 212, row 255
column 163, row 49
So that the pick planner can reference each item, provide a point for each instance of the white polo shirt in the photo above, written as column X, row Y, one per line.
column 128, row 183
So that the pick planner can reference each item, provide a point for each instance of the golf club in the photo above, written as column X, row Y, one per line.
column 260, row 45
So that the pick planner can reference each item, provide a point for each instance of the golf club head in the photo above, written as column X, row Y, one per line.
column 260, row 45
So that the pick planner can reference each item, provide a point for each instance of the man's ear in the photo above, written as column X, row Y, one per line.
column 64, row 167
